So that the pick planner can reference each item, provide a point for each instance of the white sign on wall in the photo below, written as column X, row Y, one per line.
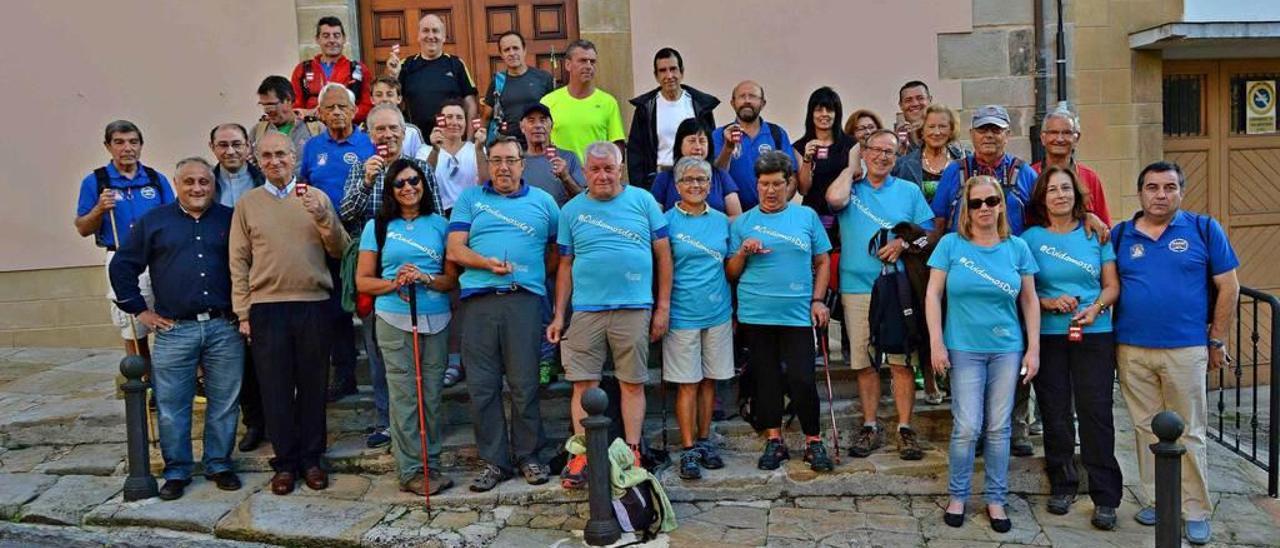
column 1260, row 106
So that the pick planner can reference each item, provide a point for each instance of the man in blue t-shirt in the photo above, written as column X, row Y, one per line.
column 503, row 234
column 1170, row 264
column 612, row 240
column 111, row 200
column 741, row 142
column 878, row 202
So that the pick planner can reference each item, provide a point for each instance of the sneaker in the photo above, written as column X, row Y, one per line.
column 933, row 398
column 909, row 444
column 710, row 454
column 379, row 438
column 1060, row 504
column 1036, row 428
column 1022, row 448
column 534, row 473
column 815, row 453
column 546, row 372
column 774, row 453
column 1198, row 531
column 689, row 468
column 869, row 439
column 418, row 484
column 1146, row 516
column 1104, row 518
column 489, row 478
column 574, row 475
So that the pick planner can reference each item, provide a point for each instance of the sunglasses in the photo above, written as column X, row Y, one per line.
column 991, row 201
column 411, row 181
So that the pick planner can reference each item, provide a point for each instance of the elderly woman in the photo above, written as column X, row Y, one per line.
column 698, row 349
column 861, row 124
column 923, row 165
column 781, row 265
column 402, row 250
column 985, row 273
column 693, row 140
column 1077, row 283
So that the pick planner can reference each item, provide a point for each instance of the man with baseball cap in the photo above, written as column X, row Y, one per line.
column 553, row 170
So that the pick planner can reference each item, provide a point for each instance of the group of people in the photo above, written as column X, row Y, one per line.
column 512, row 232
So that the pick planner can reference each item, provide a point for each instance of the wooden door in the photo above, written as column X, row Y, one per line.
column 385, row 23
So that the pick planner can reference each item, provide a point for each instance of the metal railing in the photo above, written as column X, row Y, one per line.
column 1238, row 424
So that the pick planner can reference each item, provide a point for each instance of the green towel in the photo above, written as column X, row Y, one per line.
column 625, row 472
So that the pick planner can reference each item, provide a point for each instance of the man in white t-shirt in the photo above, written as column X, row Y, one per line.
column 651, row 144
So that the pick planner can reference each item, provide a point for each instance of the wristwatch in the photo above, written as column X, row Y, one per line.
column 430, row 279
column 1215, row 343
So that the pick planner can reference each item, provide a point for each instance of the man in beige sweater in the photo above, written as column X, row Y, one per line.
column 280, row 235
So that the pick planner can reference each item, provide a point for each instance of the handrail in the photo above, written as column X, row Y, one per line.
column 1252, row 352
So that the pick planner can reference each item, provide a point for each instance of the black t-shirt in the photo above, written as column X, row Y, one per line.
column 517, row 94
column 825, row 171
column 426, row 84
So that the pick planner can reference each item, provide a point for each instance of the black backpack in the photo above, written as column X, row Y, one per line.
column 892, row 316
column 357, row 78
column 103, row 181
column 639, row 511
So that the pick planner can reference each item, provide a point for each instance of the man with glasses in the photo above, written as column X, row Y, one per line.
column 503, row 235
column 275, row 97
column 1060, row 133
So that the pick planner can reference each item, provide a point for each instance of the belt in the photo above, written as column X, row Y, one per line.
column 510, row 290
column 206, row 316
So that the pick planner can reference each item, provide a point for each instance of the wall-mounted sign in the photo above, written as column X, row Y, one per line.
column 1260, row 103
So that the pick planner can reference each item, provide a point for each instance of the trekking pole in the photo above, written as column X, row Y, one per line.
column 133, row 332
column 662, row 395
column 831, row 405
column 422, row 417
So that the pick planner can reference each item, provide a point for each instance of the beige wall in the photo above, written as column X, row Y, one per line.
column 174, row 68
column 864, row 49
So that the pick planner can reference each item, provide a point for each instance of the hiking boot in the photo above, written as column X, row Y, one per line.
column 710, row 454
column 774, row 453
column 869, row 439
column 689, row 468
column 1060, row 504
column 1104, row 518
column 489, row 478
column 815, row 453
column 534, row 473
column 574, row 475
column 417, row 484
column 909, row 444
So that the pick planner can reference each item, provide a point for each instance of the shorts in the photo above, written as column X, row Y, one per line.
column 691, row 355
column 857, row 306
column 591, row 334
column 121, row 318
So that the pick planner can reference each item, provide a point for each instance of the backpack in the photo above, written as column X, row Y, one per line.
column 892, row 316
column 352, row 299
column 639, row 511
column 1009, row 184
column 1202, row 227
column 103, row 181
column 308, row 75
column 314, row 127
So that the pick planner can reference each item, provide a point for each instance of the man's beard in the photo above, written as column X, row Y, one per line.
column 751, row 115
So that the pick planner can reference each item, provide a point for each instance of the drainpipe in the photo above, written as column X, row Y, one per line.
column 1062, row 59
column 1041, row 78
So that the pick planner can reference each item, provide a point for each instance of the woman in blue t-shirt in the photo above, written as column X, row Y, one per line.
column 986, row 275
column 411, row 257
column 694, row 139
column 1077, row 283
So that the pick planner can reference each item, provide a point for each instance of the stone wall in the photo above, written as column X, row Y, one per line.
column 56, row 307
column 310, row 11
column 607, row 23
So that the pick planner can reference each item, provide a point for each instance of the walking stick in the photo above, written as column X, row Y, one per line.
column 133, row 331
column 422, row 417
column 831, row 406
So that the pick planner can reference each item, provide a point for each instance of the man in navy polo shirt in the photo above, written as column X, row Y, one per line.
column 746, row 138
column 1170, row 261
column 503, row 233
column 112, row 199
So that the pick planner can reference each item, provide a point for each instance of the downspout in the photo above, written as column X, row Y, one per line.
column 1062, row 59
column 1041, row 78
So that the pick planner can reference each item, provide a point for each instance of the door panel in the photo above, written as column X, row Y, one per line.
column 385, row 23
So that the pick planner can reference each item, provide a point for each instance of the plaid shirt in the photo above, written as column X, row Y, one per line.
column 360, row 203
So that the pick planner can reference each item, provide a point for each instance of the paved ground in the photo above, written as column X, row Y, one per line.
column 62, row 465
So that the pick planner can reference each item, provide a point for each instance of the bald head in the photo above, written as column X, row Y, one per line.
column 747, row 101
column 277, row 158
column 431, row 36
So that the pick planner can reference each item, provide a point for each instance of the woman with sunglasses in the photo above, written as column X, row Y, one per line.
column 986, row 274
column 402, row 249
column 1077, row 283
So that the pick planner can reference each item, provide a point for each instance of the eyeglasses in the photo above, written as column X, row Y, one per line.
column 411, row 181
column 867, row 128
column 696, row 181
column 991, row 201
column 505, row 161
column 1059, row 133
column 873, row 151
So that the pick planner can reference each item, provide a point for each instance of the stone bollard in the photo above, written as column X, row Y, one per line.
column 1168, row 427
column 602, row 529
column 140, row 484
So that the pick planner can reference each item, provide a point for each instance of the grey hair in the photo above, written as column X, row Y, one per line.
column 687, row 163
column 577, row 45
column 1064, row 112
column 383, row 107
column 351, row 96
column 192, row 160
column 604, row 149
column 773, row 161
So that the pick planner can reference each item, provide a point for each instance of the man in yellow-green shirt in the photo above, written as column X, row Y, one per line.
column 583, row 113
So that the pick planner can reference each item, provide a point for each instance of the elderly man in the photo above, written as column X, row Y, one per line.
column 503, row 234
column 584, row 113
column 658, row 113
column 112, row 199
column 432, row 76
column 513, row 90
column 184, row 246
column 878, row 202
column 613, row 239
column 331, row 66
column 1171, row 264
column 1060, row 133
column 281, row 236
column 559, row 174
column 742, row 141
column 275, row 97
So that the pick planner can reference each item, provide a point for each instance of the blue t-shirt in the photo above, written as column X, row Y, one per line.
column 1070, row 264
column 699, row 290
column 134, row 198
column 869, row 210
column 611, row 244
column 325, row 162
column 1164, row 283
column 664, row 189
column 516, row 228
column 776, row 288
column 982, row 292
column 743, row 168
column 421, row 243
column 1015, row 198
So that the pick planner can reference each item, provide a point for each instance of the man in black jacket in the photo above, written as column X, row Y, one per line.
column 658, row 114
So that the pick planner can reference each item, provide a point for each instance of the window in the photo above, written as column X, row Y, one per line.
column 1184, row 97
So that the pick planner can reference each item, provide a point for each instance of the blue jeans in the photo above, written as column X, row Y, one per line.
column 217, row 345
column 982, row 390
column 377, row 372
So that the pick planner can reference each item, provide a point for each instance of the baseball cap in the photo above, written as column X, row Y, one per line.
column 536, row 107
column 991, row 115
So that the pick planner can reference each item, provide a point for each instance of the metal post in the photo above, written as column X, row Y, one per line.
column 1168, row 427
column 140, row 484
column 602, row 529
